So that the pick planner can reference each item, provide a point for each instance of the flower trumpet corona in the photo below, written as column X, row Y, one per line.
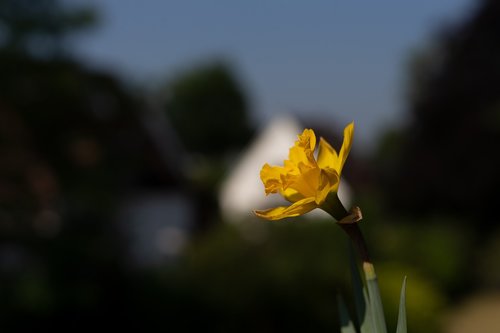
column 307, row 182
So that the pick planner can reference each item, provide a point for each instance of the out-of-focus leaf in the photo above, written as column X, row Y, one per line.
column 346, row 325
column 361, row 300
column 376, row 305
column 401, row 328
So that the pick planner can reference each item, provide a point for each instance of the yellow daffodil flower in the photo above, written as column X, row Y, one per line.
column 306, row 182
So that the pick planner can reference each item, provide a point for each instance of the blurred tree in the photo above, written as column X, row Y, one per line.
column 39, row 26
column 443, row 162
column 72, row 143
column 209, row 110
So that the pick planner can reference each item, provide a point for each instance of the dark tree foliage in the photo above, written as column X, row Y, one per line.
column 38, row 26
column 72, row 144
column 209, row 110
column 445, row 160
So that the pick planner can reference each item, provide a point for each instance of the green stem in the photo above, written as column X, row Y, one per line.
column 336, row 209
column 354, row 233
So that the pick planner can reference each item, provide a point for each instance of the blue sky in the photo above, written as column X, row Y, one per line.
column 342, row 60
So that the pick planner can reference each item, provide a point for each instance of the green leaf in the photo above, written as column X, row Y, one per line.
column 346, row 325
column 361, row 301
column 376, row 304
column 401, row 328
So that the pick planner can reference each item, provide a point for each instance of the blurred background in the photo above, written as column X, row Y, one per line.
column 132, row 136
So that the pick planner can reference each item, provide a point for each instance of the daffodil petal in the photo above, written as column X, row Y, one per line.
column 301, row 156
column 307, row 139
column 291, row 194
column 298, row 208
column 303, row 180
column 327, row 156
column 306, row 183
column 303, row 150
column 329, row 182
column 271, row 178
column 346, row 146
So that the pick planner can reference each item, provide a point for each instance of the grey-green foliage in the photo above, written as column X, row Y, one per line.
column 369, row 308
column 376, row 306
column 346, row 325
column 363, row 310
column 401, row 328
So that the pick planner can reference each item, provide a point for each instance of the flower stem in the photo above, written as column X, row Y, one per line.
column 348, row 221
column 354, row 233
column 336, row 209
